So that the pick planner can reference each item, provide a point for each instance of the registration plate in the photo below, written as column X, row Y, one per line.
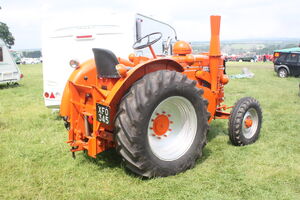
column 103, row 113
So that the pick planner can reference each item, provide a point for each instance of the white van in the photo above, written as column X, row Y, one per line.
column 117, row 33
column 9, row 71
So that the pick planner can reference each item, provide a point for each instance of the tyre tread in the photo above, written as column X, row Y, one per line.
column 131, row 111
column 236, row 118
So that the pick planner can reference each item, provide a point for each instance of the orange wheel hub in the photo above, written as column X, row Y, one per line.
column 161, row 124
column 248, row 122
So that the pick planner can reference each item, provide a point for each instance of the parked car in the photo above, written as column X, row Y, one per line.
column 30, row 60
column 246, row 59
column 287, row 63
column 230, row 58
column 16, row 57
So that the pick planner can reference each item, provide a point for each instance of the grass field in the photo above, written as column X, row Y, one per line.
column 35, row 163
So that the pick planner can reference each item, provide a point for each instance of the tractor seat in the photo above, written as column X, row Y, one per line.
column 106, row 62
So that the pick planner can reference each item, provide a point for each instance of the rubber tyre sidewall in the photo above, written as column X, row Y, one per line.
column 239, row 139
column 150, row 164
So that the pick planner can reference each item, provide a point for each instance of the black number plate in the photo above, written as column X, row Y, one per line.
column 103, row 113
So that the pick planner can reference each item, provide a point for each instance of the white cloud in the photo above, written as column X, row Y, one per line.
column 240, row 19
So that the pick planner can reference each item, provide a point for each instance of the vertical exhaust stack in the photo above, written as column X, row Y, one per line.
column 215, row 36
column 214, row 51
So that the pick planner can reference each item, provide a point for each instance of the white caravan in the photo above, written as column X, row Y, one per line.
column 116, row 33
column 9, row 71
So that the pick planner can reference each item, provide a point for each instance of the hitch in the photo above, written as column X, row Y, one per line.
column 73, row 149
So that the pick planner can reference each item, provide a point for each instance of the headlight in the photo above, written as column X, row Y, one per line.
column 74, row 63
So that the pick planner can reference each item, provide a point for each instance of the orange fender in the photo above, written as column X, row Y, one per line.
column 88, row 69
column 116, row 87
column 120, row 87
column 137, row 73
column 64, row 105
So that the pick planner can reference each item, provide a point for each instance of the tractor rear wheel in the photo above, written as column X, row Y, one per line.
column 245, row 122
column 162, row 124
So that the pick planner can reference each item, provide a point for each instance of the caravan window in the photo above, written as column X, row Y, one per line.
column 1, row 55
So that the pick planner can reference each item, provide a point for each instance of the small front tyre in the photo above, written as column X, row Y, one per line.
column 245, row 122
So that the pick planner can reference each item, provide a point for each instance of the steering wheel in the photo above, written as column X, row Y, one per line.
column 137, row 44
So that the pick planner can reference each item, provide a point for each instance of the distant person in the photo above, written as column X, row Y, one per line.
column 264, row 58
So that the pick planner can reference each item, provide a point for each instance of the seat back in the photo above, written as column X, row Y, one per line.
column 106, row 62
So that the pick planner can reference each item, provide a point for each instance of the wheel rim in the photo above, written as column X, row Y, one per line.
column 172, row 128
column 250, row 123
column 282, row 73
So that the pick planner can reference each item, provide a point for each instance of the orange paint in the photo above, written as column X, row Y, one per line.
column 182, row 48
column 85, row 89
column 248, row 122
column 122, row 70
column 161, row 124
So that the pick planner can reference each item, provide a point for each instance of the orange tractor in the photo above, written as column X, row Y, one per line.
column 154, row 111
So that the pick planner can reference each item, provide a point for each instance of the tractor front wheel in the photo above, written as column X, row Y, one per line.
column 162, row 124
column 245, row 122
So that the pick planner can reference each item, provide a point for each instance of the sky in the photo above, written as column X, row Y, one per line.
column 241, row 19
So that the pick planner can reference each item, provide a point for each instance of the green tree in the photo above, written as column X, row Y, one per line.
column 6, row 35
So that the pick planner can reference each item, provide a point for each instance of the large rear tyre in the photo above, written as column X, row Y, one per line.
column 245, row 122
column 162, row 124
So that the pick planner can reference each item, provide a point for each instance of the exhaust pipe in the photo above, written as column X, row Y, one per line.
column 214, row 51
column 215, row 36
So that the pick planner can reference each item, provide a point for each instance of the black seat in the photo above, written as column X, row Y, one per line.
column 106, row 62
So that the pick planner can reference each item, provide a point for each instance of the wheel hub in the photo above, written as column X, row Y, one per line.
column 161, row 124
column 248, row 122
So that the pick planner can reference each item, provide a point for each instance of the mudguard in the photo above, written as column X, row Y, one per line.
column 114, row 89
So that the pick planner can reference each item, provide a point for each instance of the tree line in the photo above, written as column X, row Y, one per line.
column 6, row 35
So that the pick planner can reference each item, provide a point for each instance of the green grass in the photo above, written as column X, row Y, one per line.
column 35, row 163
